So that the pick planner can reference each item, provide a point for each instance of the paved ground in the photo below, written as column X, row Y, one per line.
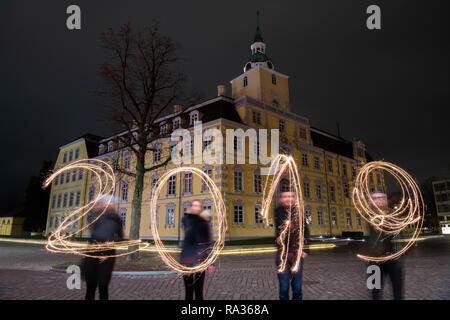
column 328, row 274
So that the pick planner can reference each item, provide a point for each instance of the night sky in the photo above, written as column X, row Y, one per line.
column 388, row 87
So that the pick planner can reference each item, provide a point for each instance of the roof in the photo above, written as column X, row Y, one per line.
column 92, row 142
column 219, row 109
column 259, row 57
column 332, row 143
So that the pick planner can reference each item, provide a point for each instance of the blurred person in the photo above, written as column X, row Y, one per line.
column 196, row 247
column 108, row 228
column 281, row 214
column 381, row 244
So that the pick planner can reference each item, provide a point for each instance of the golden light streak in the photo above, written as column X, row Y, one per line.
column 58, row 241
column 410, row 211
column 281, row 166
column 222, row 221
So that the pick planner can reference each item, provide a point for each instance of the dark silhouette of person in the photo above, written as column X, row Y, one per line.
column 290, row 242
column 98, row 270
column 196, row 247
column 381, row 244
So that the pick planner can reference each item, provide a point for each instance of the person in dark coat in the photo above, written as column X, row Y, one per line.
column 381, row 244
column 197, row 246
column 97, row 271
column 281, row 215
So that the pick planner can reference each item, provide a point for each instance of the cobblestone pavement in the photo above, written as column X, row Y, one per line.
column 328, row 274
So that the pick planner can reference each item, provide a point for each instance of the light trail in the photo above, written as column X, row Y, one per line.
column 410, row 211
column 58, row 240
column 222, row 221
column 281, row 165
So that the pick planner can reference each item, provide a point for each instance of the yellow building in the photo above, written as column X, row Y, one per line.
column 260, row 100
column 11, row 226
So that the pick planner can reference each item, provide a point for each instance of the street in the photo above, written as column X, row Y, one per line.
column 328, row 274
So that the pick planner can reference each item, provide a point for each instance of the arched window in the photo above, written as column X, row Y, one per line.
column 125, row 191
column 245, row 82
column 126, row 161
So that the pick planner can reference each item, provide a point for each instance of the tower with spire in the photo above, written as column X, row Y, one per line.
column 260, row 80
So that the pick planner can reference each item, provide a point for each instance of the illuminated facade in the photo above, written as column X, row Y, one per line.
column 441, row 190
column 259, row 100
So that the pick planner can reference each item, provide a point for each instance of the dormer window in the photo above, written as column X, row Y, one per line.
column 193, row 117
column 164, row 128
column 110, row 146
column 101, row 149
column 176, row 123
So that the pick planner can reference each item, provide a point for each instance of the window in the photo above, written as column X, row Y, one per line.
column 344, row 169
column 358, row 220
column 126, row 161
column 316, row 163
column 75, row 224
column 333, row 217
column 61, row 180
column 101, row 149
column 176, row 123
column 346, row 192
column 208, row 171
column 318, row 191
column 330, row 165
column 281, row 125
column 157, row 155
column 258, row 218
column 65, row 200
column 110, row 146
column 308, row 215
column 170, row 216
column 91, row 193
column 58, row 205
column 77, row 153
column 71, row 199
column 302, row 133
column 207, row 141
column 171, row 185
column 274, row 79
column 238, row 214
column 78, row 198
column 349, row 218
column 80, row 174
column 306, row 189
column 56, row 221
column 74, row 175
column 56, row 181
column 50, row 225
column 304, row 159
column 68, row 177
column 245, row 82
column 65, row 157
column 123, row 216
column 125, row 191
column 257, row 179
column 187, row 182
column 193, row 117
column 153, row 182
column 332, row 193
column 53, row 201
column 238, row 180
column 163, row 129
column 256, row 117
column 353, row 172
column 70, row 155
column 237, row 144
column 319, row 216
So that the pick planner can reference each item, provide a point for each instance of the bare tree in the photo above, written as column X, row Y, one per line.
column 142, row 81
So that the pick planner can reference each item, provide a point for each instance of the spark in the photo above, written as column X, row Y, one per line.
column 410, row 211
column 222, row 221
column 280, row 165
column 58, row 240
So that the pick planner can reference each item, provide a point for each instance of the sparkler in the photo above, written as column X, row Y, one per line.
column 410, row 211
column 222, row 221
column 280, row 165
column 58, row 241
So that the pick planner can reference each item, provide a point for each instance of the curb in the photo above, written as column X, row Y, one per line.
column 129, row 273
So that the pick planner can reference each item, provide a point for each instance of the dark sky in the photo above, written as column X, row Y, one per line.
column 389, row 87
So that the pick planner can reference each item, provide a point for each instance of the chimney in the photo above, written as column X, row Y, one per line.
column 177, row 108
column 221, row 90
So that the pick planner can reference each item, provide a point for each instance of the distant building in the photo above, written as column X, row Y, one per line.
column 259, row 99
column 441, row 191
column 11, row 226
